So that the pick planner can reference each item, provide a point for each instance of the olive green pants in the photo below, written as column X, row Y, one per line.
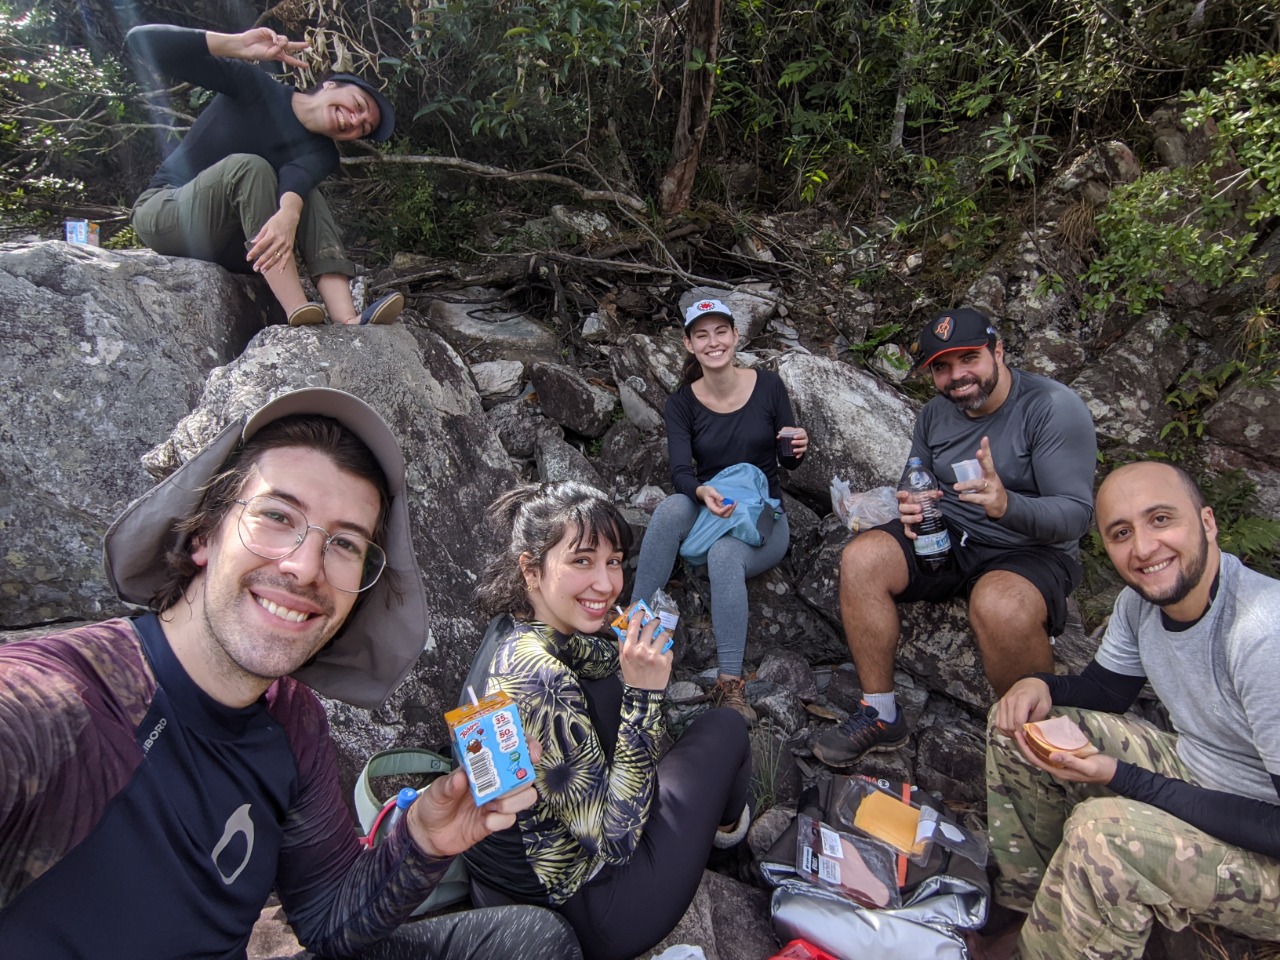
column 212, row 216
column 1094, row 870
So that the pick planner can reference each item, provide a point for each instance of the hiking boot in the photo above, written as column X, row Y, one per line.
column 729, row 692
column 859, row 734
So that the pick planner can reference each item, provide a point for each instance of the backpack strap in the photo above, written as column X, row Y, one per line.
column 499, row 629
column 388, row 763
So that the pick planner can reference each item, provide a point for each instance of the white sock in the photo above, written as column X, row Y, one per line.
column 885, row 703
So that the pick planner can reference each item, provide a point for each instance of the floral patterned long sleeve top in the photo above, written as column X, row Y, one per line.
column 590, row 812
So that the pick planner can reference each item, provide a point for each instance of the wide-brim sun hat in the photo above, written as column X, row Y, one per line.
column 377, row 647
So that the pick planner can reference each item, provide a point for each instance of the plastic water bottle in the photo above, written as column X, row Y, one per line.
column 403, row 800
column 933, row 542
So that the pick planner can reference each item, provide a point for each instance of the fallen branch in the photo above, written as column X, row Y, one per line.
column 498, row 173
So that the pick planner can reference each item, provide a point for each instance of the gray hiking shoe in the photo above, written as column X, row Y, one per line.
column 858, row 734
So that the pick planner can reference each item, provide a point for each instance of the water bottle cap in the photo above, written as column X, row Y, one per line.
column 406, row 797
column 915, row 461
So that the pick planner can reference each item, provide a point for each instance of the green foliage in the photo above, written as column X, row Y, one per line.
column 60, row 110
column 955, row 104
column 1254, row 539
column 1244, row 105
column 885, row 333
column 427, row 219
column 536, row 75
column 1014, row 151
column 1165, row 228
column 1195, row 392
column 1170, row 226
column 122, row 239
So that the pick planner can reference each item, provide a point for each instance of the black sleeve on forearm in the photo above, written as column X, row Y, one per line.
column 173, row 51
column 1096, row 688
column 1240, row 821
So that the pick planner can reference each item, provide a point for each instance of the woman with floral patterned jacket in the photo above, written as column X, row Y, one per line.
column 620, row 835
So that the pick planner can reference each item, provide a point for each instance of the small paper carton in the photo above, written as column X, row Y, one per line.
column 489, row 742
column 83, row 232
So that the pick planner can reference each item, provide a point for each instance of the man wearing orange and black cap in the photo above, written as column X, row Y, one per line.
column 1014, row 530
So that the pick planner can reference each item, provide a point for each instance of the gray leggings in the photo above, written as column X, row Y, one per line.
column 729, row 563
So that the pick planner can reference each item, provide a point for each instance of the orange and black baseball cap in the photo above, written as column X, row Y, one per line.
column 961, row 329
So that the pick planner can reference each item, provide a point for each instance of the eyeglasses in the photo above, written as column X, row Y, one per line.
column 272, row 529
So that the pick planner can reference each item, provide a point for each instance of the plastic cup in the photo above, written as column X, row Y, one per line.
column 785, row 437
column 967, row 470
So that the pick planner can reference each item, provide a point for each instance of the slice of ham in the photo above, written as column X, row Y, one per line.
column 1057, row 735
column 858, row 880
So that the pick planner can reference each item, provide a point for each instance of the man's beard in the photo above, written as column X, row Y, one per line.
column 1188, row 578
column 978, row 399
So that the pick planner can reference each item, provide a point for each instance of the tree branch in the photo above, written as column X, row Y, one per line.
column 498, row 173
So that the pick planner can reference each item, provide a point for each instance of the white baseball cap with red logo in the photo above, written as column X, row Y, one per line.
column 706, row 307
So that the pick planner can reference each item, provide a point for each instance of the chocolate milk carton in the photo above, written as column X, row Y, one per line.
column 489, row 742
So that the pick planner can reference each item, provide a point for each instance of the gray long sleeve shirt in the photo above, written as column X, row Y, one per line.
column 1045, row 450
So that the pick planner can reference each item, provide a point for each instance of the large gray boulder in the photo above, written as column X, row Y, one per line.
column 1247, row 417
column 859, row 428
column 567, row 397
column 104, row 352
column 479, row 324
column 647, row 371
column 1125, row 388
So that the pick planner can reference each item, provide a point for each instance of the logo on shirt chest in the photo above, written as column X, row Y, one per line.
column 239, row 824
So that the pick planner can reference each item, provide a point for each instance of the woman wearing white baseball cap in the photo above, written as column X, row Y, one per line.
column 721, row 415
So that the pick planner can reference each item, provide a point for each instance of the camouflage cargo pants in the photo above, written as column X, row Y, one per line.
column 1094, row 870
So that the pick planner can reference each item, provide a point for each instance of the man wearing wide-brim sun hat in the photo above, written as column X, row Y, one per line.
column 1014, row 526
column 242, row 189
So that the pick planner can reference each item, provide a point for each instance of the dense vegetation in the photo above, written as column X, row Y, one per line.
column 935, row 113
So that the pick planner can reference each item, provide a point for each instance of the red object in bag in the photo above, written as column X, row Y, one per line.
column 801, row 950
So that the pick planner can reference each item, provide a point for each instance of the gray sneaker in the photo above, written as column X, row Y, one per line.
column 858, row 734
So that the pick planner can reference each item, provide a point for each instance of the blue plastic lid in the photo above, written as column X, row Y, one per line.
column 406, row 797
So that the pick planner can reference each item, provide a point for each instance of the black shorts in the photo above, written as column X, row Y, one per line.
column 1052, row 572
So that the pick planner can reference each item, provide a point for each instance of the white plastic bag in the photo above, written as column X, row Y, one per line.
column 862, row 511
column 681, row 951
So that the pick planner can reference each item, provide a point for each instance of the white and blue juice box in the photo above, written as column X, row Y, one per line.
column 489, row 742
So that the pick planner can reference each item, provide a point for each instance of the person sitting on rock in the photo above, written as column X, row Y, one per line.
column 161, row 775
column 1170, row 828
column 619, row 839
column 1014, row 531
column 243, row 188
column 721, row 415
